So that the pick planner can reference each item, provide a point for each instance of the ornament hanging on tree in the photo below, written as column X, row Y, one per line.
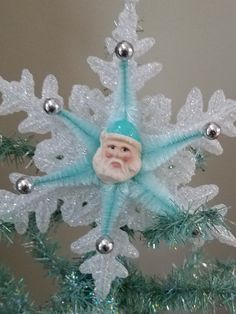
column 127, row 154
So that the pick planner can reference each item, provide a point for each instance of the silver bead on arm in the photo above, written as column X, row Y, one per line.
column 124, row 50
column 104, row 245
column 212, row 131
column 24, row 185
column 52, row 106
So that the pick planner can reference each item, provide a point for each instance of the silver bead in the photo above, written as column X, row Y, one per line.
column 104, row 245
column 24, row 185
column 124, row 50
column 212, row 131
column 52, row 106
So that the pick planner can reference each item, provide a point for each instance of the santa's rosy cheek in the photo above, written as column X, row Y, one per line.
column 127, row 158
column 127, row 155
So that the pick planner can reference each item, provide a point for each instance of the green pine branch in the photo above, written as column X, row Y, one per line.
column 43, row 249
column 76, row 290
column 16, row 149
column 7, row 232
column 13, row 298
column 183, row 226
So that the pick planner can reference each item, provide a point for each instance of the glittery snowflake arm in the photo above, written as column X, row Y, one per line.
column 223, row 235
column 84, row 130
column 19, row 96
column 191, row 129
column 221, row 111
column 195, row 199
column 177, row 171
column 90, row 105
column 77, row 208
column 109, row 262
column 16, row 208
column 80, row 207
column 109, row 72
column 58, row 152
column 126, row 30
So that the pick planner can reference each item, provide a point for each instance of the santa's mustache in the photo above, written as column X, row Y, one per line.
column 116, row 160
column 123, row 166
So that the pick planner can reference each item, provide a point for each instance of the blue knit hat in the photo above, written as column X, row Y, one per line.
column 125, row 128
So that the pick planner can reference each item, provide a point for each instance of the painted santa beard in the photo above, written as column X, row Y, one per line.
column 121, row 173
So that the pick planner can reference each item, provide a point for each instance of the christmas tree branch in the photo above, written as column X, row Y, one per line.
column 13, row 299
column 15, row 149
column 7, row 231
column 196, row 286
column 43, row 249
column 76, row 290
column 184, row 226
column 38, row 244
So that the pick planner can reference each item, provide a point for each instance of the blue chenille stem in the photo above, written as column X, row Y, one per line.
column 161, row 149
column 74, row 175
column 124, row 86
column 112, row 201
column 85, row 130
column 125, row 98
column 148, row 192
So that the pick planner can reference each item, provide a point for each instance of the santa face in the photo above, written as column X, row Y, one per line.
column 116, row 160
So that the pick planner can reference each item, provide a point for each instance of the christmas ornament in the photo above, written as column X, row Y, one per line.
column 110, row 155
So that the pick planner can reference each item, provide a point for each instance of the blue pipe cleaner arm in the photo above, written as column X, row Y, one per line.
column 160, row 149
column 113, row 198
column 151, row 194
column 74, row 175
column 125, row 100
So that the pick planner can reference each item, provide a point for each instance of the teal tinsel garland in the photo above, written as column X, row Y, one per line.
column 198, row 285
column 183, row 226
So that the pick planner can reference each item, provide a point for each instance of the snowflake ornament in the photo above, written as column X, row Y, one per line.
column 111, row 159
